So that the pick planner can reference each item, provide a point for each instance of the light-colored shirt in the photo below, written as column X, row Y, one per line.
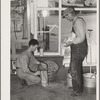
column 24, row 60
column 79, row 26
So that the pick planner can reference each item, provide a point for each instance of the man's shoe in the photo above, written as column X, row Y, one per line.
column 75, row 94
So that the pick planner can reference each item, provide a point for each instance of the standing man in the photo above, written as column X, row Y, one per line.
column 28, row 66
column 78, row 46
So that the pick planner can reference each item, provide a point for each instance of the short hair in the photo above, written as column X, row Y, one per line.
column 33, row 42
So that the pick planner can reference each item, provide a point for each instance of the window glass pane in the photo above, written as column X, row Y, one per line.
column 66, row 27
column 48, row 30
column 48, row 3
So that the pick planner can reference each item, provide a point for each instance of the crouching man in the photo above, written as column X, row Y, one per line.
column 29, row 68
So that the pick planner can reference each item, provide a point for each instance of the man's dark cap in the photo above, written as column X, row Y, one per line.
column 68, row 10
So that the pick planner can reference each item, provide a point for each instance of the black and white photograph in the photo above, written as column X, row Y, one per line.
column 50, row 50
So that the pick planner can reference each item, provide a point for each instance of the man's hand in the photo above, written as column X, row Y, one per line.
column 43, row 66
column 68, row 43
column 37, row 73
column 69, row 40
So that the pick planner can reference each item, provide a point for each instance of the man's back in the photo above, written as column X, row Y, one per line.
column 24, row 57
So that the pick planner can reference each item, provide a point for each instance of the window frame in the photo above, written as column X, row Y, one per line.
column 59, row 36
column 59, row 9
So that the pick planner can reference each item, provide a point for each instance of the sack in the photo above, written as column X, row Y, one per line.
column 44, row 78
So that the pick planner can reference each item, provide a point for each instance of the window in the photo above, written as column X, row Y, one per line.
column 43, row 20
column 48, row 30
column 51, row 29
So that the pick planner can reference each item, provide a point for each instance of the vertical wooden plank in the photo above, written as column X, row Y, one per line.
column 29, row 18
column 13, row 48
column 25, row 24
column 35, row 11
column 32, row 18
column 60, row 6
column 25, row 32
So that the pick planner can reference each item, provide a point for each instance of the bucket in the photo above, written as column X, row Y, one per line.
column 89, row 80
column 69, row 80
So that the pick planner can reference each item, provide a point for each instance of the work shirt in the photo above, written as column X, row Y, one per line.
column 25, row 60
column 79, row 27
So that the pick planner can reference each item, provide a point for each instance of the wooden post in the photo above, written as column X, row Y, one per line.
column 27, row 20
column 32, row 18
